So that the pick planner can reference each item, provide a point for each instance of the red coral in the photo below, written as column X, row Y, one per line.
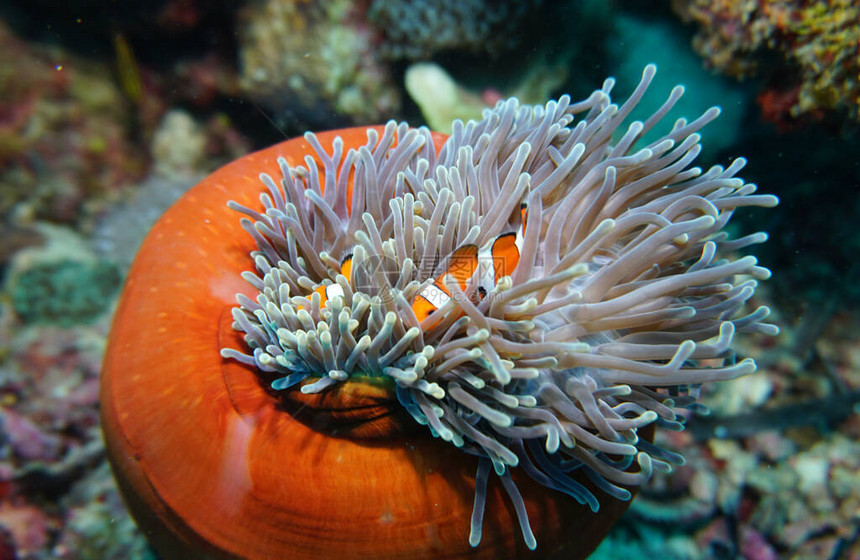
column 818, row 42
column 776, row 107
column 27, row 524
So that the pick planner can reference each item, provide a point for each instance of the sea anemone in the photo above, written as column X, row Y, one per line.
column 620, row 298
column 623, row 299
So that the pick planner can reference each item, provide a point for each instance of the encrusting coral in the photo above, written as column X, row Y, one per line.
column 623, row 299
column 417, row 29
column 314, row 61
column 63, row 145
column 819, row 42
column 61, row 282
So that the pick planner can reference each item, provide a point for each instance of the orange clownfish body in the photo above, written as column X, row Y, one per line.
column 493, row 261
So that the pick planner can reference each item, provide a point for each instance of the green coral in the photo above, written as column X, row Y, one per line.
column 64, row 292
column 828, row 51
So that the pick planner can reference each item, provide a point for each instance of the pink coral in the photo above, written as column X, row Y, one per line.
column 27, row 524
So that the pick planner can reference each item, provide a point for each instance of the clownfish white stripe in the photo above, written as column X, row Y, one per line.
column 435, row 296
column 486, row 268
column 333, row 290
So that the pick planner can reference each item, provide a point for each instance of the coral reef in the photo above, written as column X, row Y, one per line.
column 418, row 29
column 61, row 282
column 63, row 141
column 96, row 526
column 64, row 292
column 179, row 145
column 825, row 44
column 442, row 100
column 16, row 238
column 315, row 62
column 811, row 502
column 57, row 499
column 778, row 477
column 818, row 41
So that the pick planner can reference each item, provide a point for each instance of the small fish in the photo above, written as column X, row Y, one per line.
column 334, row 290
column 494, row 261
column 461, row 265
column 127, row 69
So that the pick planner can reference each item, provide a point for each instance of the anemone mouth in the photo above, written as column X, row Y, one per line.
column 623, row 300
column 363, row 408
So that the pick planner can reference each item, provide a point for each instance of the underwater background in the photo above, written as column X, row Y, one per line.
column 110, row 111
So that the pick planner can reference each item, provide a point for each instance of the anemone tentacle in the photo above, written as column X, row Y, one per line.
column 625, row 299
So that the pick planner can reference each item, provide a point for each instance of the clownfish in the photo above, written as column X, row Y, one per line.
column 494, row 261
column 334, row 290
